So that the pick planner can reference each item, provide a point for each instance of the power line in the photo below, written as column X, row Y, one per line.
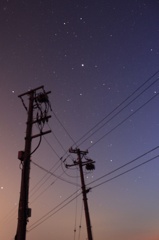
column 48, row 172
column 64, row 127
column 126, row 117
column 117, row 107
column 129, row 170
column 57, row 139
column 46, row 216
column 57, row 177
column 62, row 163
column 65, row 151
column 52, row 212
column 51, row 147
column 119, row 124
column 45, row 182
column 120, row 105
column 118, row 112
column 122, row 123
column 43, row 178
column 62, row 179
column 46, row 189
column 51, row 167
column 10, row 215
column 124, row 165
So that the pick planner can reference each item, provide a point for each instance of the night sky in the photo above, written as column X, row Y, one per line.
column 100, row 60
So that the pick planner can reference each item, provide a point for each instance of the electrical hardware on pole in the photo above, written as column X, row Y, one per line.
column 38, row 109
column 89, row 164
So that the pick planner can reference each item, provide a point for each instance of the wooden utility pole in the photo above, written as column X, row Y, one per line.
column 36, row 99
column 89, row 166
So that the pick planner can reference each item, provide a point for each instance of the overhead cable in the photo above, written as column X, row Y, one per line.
column 117, row 107
column 124, row 165
column 62, row 179
column 117, row 113
column 119, row 124
column 53, row 211
column 129, row 170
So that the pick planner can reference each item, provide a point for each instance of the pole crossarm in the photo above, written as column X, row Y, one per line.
column 76, row 150
column 41, row 134
column 30, row 91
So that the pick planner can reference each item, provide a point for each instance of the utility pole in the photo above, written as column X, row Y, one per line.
column 37, row 98
column 89, row 166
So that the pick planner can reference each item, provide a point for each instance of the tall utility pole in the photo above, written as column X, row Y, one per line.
column 37, row 98
column 89, row 166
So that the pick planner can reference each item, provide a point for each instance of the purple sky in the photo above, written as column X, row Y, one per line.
column 92, row 56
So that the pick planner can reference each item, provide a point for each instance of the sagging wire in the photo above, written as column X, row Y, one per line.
column 63, row 163
column 49, row 172
column 53, row 211
column 37, row 145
